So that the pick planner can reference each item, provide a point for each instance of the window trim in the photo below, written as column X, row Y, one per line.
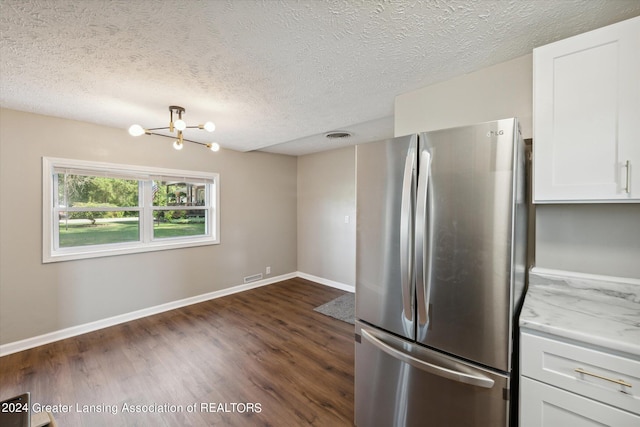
column 147, row 243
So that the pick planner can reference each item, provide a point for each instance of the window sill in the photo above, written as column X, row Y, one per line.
column 87, row 252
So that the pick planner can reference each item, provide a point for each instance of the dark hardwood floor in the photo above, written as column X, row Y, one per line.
column 261, row 357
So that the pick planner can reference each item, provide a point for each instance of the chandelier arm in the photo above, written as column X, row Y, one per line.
column 160, row 134
column 167, row 128
column 173, row 137
column 195, row 142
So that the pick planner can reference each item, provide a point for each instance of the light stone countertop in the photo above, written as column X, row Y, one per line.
column 598, row 310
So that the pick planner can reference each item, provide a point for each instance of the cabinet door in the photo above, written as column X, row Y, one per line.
column 587, row 116
column 542, row 405
column 597, row 375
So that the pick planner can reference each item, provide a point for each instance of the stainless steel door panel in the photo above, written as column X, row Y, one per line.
column 385, row 293
column 470, row 221
column 392, row 389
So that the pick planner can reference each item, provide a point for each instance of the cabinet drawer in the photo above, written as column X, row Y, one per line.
column 544, row 406
column 595, row 374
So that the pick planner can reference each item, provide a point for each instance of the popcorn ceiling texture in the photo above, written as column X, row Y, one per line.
column 266, row 72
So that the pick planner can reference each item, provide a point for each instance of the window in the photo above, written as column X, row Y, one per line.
column 95, row 209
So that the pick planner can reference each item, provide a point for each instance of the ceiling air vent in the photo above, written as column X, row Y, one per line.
column 338, row 134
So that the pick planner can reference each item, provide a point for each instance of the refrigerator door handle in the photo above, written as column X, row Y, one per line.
column 406, row 228
column 422, row 241
column 451, row 374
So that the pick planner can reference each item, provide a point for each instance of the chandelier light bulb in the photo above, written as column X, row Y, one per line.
column 214, row 146
column 177, row 144
column 180, row 124
column 209, row 127
column 136, row 130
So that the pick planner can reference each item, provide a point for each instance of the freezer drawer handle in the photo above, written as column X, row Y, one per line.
column 462, row 377
column 621, row 382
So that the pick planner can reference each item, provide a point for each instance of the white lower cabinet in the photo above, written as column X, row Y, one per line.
column 542, row 405
column 565, row 384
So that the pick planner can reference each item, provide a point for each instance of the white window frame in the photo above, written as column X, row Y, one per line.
column 51, row 252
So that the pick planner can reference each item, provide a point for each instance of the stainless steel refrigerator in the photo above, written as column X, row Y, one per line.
column 440, row 274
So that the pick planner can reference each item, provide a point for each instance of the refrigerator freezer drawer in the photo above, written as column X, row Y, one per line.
column 402, row 384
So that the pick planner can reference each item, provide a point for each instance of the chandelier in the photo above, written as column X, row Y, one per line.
column 177, row 126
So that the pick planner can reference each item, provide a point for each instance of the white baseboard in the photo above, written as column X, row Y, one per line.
column 327, row 282
column 73, row 331
column 14, row 347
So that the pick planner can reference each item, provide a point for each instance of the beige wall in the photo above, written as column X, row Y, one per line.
column 258, row 228
column 498, row 92
column 590, row 238
column 326, row 195
column 596, row 239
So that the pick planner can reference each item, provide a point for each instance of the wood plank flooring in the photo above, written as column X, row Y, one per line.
column 261, row 357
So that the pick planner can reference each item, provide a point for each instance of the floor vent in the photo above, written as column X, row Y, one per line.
column 253, row 278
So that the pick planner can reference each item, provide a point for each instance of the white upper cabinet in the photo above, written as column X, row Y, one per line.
column 586, row 117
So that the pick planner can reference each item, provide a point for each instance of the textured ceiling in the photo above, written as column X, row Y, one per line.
column 272, row 75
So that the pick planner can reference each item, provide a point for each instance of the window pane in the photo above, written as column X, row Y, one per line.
column 176, row 193
column 96, row 191
column 179, row 223
column 103, row 209
column 97, row 228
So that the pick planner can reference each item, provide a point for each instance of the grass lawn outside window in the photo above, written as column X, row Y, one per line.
column 104, row 231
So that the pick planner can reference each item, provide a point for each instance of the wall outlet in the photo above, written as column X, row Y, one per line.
column 268, row 270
